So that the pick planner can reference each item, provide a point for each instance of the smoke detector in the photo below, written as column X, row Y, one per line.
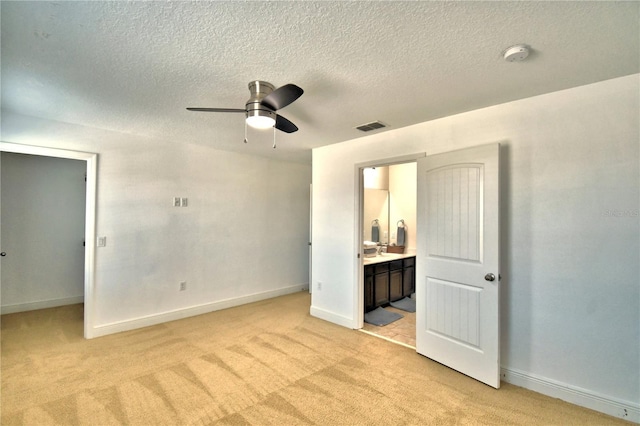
column 516, row 53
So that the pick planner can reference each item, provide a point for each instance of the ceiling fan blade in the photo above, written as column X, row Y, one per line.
column 217, row 109
column 285, row 125
column 282, row 96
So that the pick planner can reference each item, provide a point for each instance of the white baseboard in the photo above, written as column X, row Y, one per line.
column 132, row 324
column 585, row 398
column 42, row 304
column 332, row 317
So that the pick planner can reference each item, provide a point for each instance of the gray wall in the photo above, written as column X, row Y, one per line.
column 43, row 215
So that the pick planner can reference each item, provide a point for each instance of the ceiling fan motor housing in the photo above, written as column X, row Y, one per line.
column 259, row 89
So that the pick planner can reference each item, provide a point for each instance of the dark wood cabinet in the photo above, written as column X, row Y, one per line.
column 387, row 282
column 395, row 280
column 369, row 301
column 381, row 282
column 409, row 277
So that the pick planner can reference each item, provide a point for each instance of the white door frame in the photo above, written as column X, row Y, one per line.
column 358, row 288
column 90, row 216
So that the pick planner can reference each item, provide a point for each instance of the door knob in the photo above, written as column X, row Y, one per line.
column 490, row 277
column 3, row 254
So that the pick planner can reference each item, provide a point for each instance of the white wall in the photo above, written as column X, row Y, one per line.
column 43, row 208
column 570, row 233
column 243, row 237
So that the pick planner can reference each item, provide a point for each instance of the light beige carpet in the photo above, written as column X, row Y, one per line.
column 267, row 363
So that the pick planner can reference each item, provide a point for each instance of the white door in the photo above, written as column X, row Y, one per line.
column 457, row 270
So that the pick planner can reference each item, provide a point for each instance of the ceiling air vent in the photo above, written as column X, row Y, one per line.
column 374, row 125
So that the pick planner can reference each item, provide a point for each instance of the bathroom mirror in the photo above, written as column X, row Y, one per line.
column 376, row 206
column 389, row 195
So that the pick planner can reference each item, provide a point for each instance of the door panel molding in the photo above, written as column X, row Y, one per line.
column 453, row 311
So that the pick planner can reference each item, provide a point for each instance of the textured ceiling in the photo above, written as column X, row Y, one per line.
column 134, row 67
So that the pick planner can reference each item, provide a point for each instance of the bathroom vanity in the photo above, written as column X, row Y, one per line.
column 387, row 278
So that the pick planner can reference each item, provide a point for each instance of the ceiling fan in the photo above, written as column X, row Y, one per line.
column 260, row 109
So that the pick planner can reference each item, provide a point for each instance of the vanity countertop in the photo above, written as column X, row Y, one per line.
column 386, row 257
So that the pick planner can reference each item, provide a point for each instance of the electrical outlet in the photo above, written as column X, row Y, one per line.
column 184, row 202
column 176, row 201
column 183, row 286
column 319, row 285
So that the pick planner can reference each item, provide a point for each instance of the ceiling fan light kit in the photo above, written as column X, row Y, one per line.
column 261, row 119
column 260, row 109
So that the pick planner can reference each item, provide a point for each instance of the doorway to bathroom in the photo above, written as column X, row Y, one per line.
column 388, row 236
column 456, row 260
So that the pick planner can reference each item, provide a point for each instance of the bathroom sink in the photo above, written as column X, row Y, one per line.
column 383, row 257
column 391, row 255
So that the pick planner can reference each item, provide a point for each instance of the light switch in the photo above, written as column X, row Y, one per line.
column 185, row 202
column 176, row 201
column 102, row 241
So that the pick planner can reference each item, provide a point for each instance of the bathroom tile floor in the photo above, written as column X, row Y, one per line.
column 402, row 330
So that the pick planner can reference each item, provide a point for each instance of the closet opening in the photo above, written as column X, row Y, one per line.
column 88, row 258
